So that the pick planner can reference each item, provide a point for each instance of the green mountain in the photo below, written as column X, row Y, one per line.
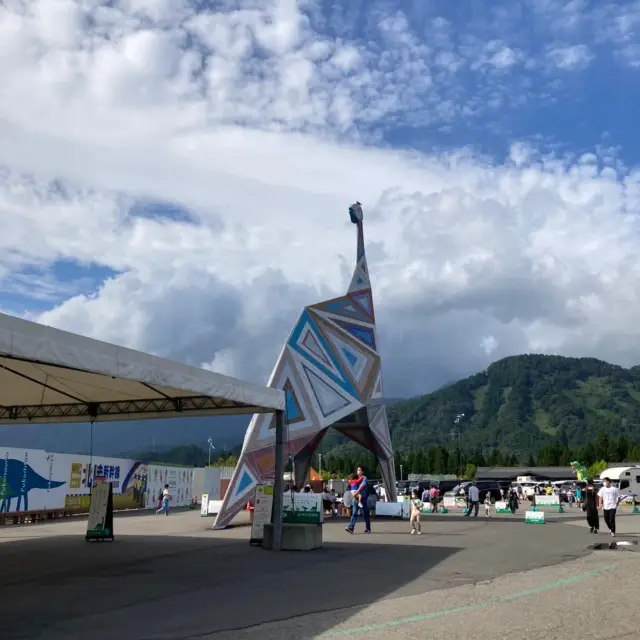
column 523, row 403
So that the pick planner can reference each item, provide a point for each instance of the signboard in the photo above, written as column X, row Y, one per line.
column 502, row 507
column 179, row 480
column 534, row 517
column 549, row 501
column 406, row 508
column 31, row 480
column 204, row 505
column 128, row 480
column 459, row 502
column 215, row 506
column 100, row 522
column 262, row 512
column 302, row 508
column 38, row 480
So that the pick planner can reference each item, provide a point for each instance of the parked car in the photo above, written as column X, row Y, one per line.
column 484, row 487
column 403, row 488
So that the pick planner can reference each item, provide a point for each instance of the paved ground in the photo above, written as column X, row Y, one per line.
column 174, row 578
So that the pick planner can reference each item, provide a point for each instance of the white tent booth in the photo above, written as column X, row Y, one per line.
column 48, row 375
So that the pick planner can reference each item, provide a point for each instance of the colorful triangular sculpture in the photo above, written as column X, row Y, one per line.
column 330, row 372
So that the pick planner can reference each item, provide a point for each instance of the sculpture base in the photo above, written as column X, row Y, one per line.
column 295, row 537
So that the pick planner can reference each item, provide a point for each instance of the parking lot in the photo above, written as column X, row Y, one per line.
column 175, row 578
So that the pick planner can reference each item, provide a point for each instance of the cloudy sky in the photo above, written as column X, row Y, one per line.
column 175, row 175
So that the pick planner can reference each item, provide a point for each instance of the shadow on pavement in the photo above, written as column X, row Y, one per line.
column 148, row 587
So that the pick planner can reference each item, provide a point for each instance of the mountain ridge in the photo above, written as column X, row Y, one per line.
column 522, row 403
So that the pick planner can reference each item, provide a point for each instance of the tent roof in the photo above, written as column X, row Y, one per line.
column 49, row 375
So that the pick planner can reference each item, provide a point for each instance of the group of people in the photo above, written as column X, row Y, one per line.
column 357, row 499
column 592, row 500
column 606, row 499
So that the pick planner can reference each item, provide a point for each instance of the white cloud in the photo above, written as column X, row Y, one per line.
column 489, row 344
column 259, row 123
column 570, row 58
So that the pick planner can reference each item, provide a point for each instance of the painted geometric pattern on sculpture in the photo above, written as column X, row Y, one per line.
column 360, row 279
column 361, row 332
column 362, row 364
column 298, row 410
column 264, row 461
column 347, row 307
column 364, row 300
column 326, row 362
column 380, row 427
column 329, row 400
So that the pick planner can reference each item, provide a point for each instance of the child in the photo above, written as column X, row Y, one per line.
column 416, row 506
column 487, row 505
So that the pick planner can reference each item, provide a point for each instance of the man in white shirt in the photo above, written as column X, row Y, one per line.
column 474, row 500
column 608, row 498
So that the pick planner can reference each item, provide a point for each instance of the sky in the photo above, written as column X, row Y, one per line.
column 175, row 175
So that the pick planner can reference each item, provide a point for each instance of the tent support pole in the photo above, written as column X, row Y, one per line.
column 278, row 484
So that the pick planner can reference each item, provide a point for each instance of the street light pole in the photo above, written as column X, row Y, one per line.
column 320, row 464
column 456, row 421
column 210, row 441
column 400, row 473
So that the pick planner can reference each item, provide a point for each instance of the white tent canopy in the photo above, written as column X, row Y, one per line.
column 48, row 375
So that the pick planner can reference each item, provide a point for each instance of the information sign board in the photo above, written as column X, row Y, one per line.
column 100, row 522
column 261, row 512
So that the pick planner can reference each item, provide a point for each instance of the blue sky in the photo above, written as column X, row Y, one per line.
column 174, row 175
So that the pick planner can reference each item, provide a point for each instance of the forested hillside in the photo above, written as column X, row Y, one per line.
column 522, row 403
column 525, row 409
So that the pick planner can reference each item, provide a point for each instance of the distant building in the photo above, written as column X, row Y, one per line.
column 511, row 473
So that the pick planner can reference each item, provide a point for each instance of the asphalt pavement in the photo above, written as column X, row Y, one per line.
column 174, row 578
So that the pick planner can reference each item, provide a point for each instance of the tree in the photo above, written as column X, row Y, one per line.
column 602, row 445
column 634, row 453
column 470, row 472
column 596, row 468
column 495, row 458
column 228, row 461
column 439, row 462
column 623, row 448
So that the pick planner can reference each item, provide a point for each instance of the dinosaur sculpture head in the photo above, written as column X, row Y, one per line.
column 355, row 213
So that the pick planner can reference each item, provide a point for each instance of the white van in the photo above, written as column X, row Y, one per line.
column 627, row 479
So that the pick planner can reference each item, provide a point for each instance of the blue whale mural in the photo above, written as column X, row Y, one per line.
column 17, row 479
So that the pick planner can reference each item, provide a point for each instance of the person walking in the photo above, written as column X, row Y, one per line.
column 360, row 501
column 473, row 498
column 434, row 495
column 487, row 505
column 513, row 501
column 164, row 508
column 608, row 498
column 590, row 506
column 414, row 518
